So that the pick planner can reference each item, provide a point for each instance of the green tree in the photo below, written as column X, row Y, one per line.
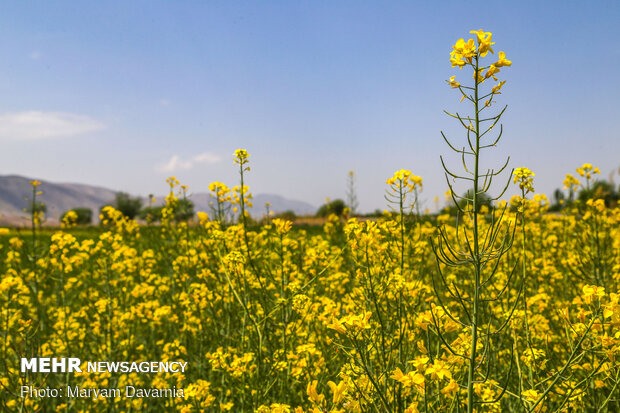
column 128, row 205
column 184, row 210
column 600, row 190
column 559, row 200
column 151, row 214
column 288, row 215
column 336, row 207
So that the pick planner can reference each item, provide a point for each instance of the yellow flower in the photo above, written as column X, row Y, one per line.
column 406, row 179
column 484, row 41
column 451, row 388
column 359, row 321
column 525, row 178
column 457, row 60
column 570, row 182
column 491, row 71
column 203, row 217
column 217, row 187
column 399, row 175
column 69, row 219
column 599, row 384
column 172, row 181
column 300, row 304
column 587, row 170
column 420, row 363
column 241, row 156
column 453, row 83
column 35, row 183
column 339, row 391
column 313, row 395
column 466, row 49
column 496, row 89
column 412, row 408
column 438, row 371
column 597, row 205
column 502, row 61
column 462, row 52
column 411, row 379
column 590, row 291
column 530, row 395
column 282, row 225
column 337, row 326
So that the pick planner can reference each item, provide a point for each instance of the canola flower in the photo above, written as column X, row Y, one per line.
column 587, row 171
column 277, row 318
column 315, row 319
column 406, row 179
column 478, row 252
column 470, row 52
column 525, row 178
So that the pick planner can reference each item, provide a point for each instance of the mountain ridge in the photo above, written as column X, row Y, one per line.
column 16, row 195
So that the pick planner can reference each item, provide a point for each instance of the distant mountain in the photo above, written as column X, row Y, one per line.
column 16, row 193
column 277, row 204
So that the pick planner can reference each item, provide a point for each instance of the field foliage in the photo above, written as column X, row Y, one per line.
column 491, row 306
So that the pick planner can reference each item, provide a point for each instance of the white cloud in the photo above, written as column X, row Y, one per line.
column 35, row 125
column 176, row 163
column 207, row 157
column 35, row 55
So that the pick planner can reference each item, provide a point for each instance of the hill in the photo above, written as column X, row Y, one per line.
column 277, row 204
column 16, row 194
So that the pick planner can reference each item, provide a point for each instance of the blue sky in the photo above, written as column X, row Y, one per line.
column 124, row 94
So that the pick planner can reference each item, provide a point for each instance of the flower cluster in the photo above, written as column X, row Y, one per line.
column 346, row 317
column 525, row 178
column 331, row 323
column 470, row 52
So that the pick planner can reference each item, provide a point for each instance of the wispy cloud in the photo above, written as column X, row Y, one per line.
column 176, row 163
column 36, row 125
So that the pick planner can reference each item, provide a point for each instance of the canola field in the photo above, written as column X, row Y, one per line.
column 499, row 308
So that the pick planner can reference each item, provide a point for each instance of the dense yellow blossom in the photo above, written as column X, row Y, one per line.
column 342, row 318
column 348, row 316
column 525, row 178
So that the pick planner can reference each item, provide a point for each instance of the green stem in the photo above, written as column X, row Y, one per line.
column 476, row 253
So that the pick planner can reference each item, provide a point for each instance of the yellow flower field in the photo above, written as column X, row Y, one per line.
column 509, row 308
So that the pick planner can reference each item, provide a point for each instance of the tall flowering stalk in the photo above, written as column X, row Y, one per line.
column 524, row 177
column 242, row 158
column 221, row 194
column 402, row 184
column 597, row 263
column 477, row 247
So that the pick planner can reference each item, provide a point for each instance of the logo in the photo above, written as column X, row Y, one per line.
column 51, row 365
